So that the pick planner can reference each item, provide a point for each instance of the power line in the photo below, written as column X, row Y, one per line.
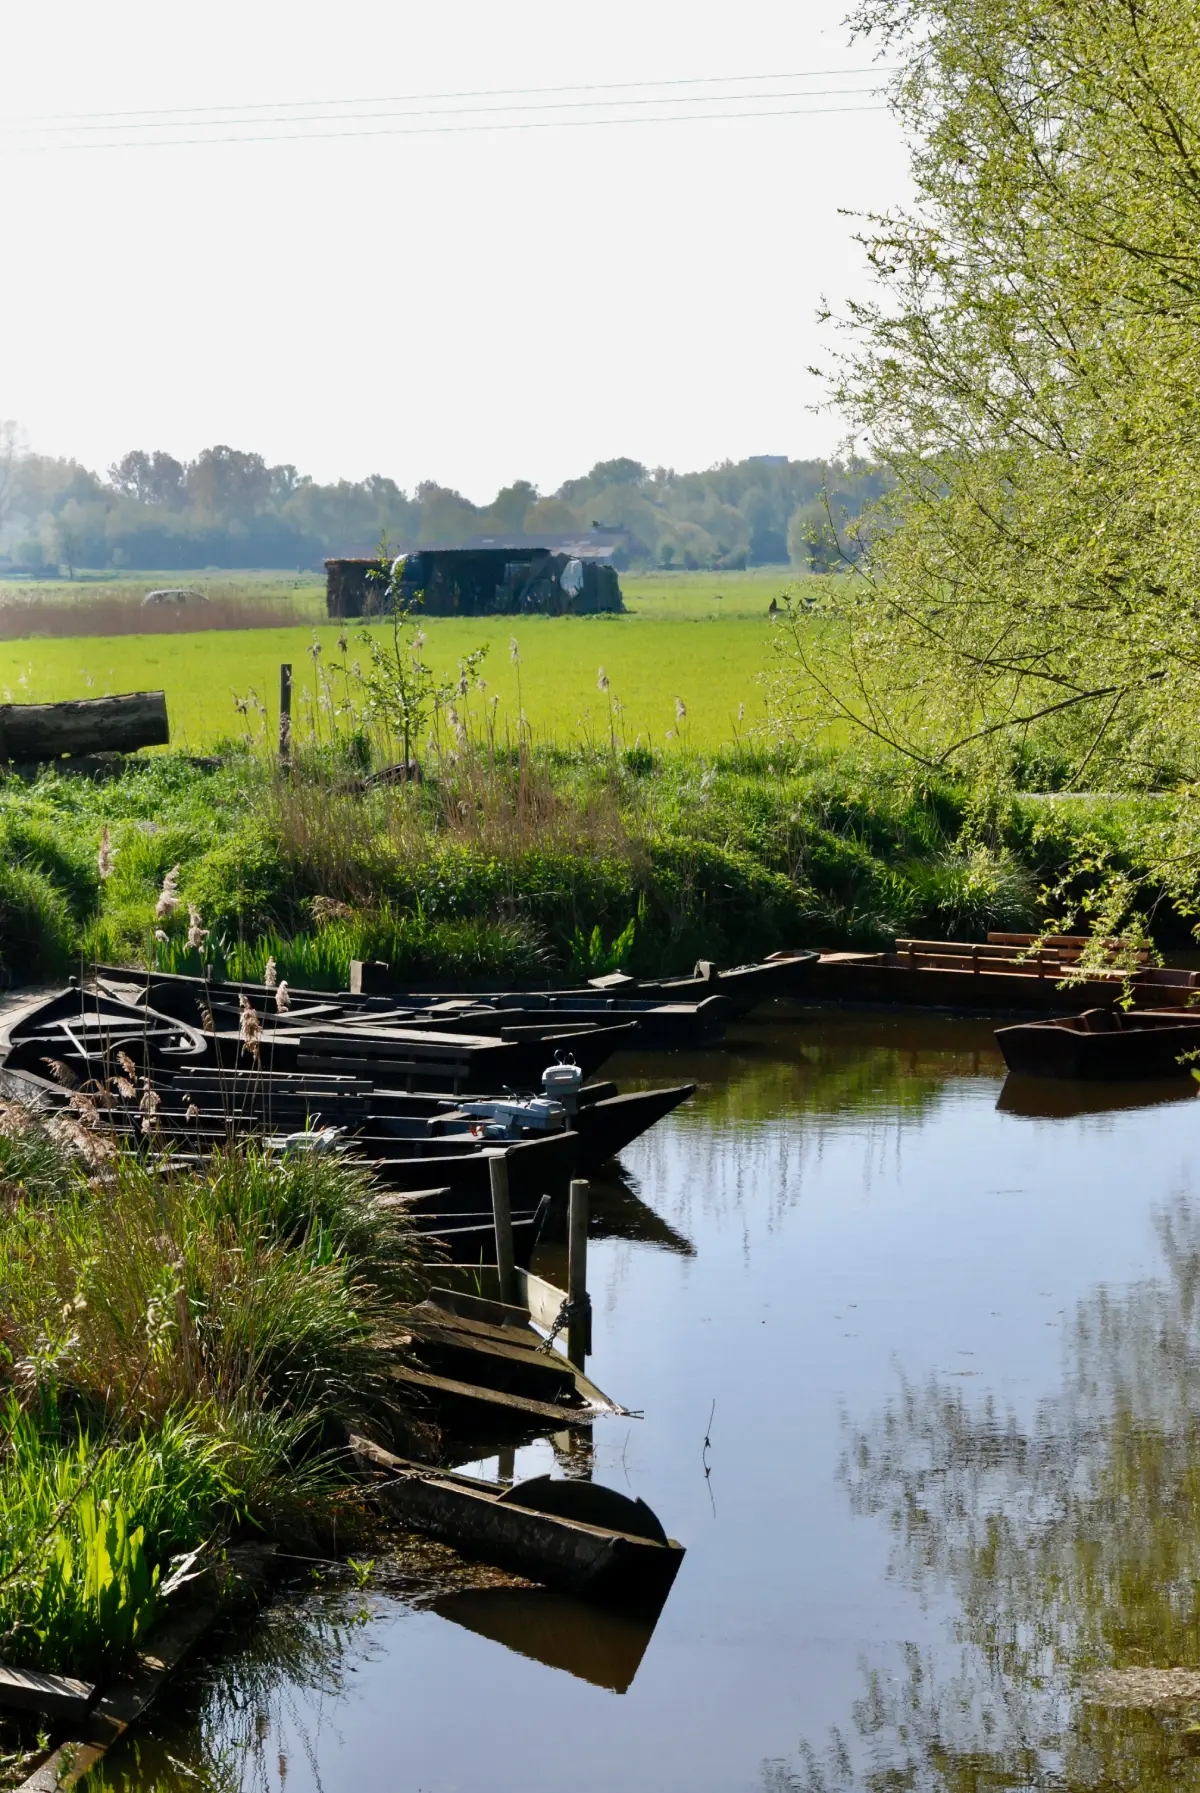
column 473, row 112
column 66, row 120
column 464, row 129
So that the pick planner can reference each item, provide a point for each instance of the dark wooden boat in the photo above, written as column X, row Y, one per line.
column 783, row 974
column 591, row 1542
column 486, row 1371
column 1007, row 972
column 1106, row 1045
column 534, row 1016
column 400, row 1047
column 78, row 1039
column 467, row 1239
column 400, row 1057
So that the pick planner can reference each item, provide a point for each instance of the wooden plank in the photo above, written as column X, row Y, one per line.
column 544, row 1366
column 492, row 1397
column 505, row 1332
column 28, row 1690
column 124, row 1701
column 478, row 1308
column 541, row 1298
column 579, row 1326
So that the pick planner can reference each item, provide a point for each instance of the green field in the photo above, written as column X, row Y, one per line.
column 678, row 640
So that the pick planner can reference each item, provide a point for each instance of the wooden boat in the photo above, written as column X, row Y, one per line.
column 533, row 1015
column 782, row 974
column 401, row 1057
column 591, row 1542
column 465, row 1238
column 1108, row 1045
column 604, row 1121
column 482, row 1366
column 516, row 1018
column 406, row 1050
column 84, row 1030
column 1005, row 972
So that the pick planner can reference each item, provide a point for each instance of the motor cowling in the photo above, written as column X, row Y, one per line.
column 563, row 1082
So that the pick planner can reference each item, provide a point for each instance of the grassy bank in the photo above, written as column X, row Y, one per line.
column 180, row 1355
column 524, row 867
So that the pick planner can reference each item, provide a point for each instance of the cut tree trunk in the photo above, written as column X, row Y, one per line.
column 94, row 725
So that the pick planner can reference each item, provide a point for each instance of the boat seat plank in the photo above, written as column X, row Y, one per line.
column 450, row 1388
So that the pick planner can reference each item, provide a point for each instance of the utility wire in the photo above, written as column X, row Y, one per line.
column 66, row 120
column 464, row 112
column 459, row 130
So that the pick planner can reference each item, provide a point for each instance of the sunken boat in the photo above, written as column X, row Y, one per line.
column 1104, row 1045
column 589, row 1541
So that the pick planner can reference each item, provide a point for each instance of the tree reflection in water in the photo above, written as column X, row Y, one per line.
column 266, row 1688
column 1070, row 1545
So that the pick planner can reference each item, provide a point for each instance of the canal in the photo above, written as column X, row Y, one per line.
column 918, row 1358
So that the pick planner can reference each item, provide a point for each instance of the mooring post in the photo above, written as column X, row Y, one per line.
column 502, row 1217
column 285, row 712
column 579, row 1326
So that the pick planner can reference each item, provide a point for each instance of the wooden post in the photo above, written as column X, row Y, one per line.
column 285, row 712
column 502, row 1217
column 579, row 1329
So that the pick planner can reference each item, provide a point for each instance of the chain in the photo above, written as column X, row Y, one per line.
column 569, row 1311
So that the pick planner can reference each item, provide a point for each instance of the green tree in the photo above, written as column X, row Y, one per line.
column 1028, row 375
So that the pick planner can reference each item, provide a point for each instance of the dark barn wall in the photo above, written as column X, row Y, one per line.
column 475, row 582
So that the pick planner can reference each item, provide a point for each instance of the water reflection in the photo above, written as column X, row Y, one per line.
column 1071, row 1544
column 1057, row 1099
column 605, row 1648
column 235, row 1722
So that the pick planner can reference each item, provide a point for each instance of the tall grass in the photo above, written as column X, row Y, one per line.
column 180, row 1350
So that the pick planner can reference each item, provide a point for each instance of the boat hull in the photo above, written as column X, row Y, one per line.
column 591, row 1562
column 1129, row 1047
column 884, row 979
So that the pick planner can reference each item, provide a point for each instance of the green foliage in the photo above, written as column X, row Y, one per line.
column 1028, row 373
column 242, row 884
column 402, row 690
column 500, row 866
column 591, row 958
column 86, row 1528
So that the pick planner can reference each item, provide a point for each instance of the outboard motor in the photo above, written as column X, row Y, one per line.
column 562, row 1081
column 514, row 1120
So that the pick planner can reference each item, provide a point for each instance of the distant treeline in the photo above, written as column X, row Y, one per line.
column 228, row 508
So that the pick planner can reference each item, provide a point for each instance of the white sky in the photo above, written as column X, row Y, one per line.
column 469, row 307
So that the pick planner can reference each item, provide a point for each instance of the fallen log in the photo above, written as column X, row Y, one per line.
column 91, row 725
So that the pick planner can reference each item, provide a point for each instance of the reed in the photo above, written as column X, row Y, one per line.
column 180, row 1352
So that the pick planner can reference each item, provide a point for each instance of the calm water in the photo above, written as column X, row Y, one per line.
column 950, row 1352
